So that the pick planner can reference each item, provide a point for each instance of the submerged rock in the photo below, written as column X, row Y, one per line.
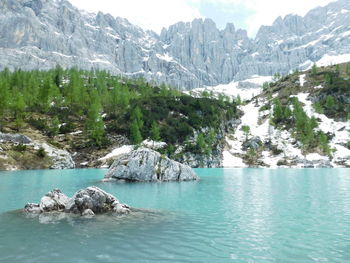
column 86, row 202
column 146, row 165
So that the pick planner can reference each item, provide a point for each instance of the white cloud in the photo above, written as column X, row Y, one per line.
column 265, row 12
column 150, row 14
column 156, row 14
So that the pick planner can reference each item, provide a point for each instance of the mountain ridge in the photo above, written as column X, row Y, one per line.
column 39, row 34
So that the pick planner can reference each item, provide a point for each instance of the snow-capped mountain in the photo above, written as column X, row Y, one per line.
column 39, row 34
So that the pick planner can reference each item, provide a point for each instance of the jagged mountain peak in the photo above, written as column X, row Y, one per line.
column 43, row 33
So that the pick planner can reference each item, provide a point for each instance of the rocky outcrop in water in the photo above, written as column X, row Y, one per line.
column 86, row 202
column 39, row 34
column 146, row 165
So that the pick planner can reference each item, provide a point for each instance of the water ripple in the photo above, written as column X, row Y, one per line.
column 240, row 216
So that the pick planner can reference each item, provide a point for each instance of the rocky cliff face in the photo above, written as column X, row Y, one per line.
column 39, row 34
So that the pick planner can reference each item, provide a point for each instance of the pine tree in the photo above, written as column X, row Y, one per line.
column 44, row 95
column 265, row 86
column 94, row 123
column 279, row 112
column 18, row 108
column 314, row 69
column 330, row 102
column 137, row 115
column 323, row 141
column 135, row 133
column 329, row 79
column 4, row 100
column 58, row 78
column 55, row 127
column 347, row 69
column 201, row 143
column 31, row 92
column 337, row 69
column 246, row 131
column 155, row 132
column 210, row 141
column 75, row 93
column 238, row 100
column 318, row 108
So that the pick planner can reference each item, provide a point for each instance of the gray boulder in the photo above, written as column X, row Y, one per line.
column 14, row 138
column 86, row 202
column 314, row 163
column 53, row 201
column 146, row 165
column 61, row 158
column 252, row 143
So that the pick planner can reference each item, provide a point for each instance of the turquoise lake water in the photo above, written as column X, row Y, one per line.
column 231, row 215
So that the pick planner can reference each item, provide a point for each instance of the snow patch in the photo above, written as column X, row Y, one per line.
column 153, row 144
column 327, row 125
column 230, row 161
column 60, row 54
column 165, row 57
column 345, row 34
column 102, row 61
column 328, row 60
column 118, row 151
column 246, row 89
column 75, row 133
column 302, row 80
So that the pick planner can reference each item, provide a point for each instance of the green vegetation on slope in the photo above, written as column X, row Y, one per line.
column 329, row 91
column 62, row 101
column 329, row 88
column 291, row 116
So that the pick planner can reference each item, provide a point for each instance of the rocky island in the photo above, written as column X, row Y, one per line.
column 86, row 202
column 146, row 165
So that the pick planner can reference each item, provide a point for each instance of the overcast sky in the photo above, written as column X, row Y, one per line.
column 156, row 14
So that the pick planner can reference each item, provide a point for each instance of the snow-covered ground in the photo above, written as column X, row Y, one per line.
column 246, row 89
column 328, row 60
column 127, row 149
column 231, row 161
column 118, row 151
column 302, row 80
column 283, row 140
column 341, row 130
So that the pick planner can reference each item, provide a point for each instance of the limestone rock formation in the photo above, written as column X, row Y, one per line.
column 14, row 138
column 146, row 165
column 59, row 158
column 86, row 202
column 39, row 34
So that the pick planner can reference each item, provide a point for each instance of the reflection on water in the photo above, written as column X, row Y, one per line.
column 233, row 215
